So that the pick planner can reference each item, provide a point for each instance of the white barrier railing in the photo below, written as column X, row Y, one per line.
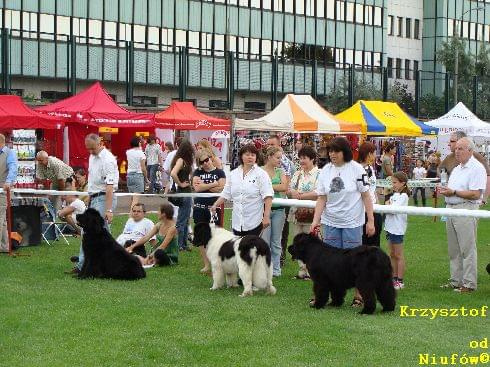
column 410, row 210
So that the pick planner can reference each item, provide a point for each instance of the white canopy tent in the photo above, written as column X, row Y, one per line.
column 299, row 113
column 460, row 118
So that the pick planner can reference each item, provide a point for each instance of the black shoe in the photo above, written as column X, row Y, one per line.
column 74, row 259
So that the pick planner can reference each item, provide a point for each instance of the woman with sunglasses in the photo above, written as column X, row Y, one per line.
column 206, row 179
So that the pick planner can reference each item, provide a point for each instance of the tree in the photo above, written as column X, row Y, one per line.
column 399, row 93
column 466, row 62
column 302, row 53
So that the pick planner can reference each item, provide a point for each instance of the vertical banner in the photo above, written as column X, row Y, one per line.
column 218, row 139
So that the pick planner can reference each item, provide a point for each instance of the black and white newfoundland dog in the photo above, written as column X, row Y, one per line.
column 247, row 257
column 104, row 257
column 334, row 270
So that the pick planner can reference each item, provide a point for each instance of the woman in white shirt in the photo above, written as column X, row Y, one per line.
column 250, row 189
column 136, row 176
column 366, row 158
column 343, row 198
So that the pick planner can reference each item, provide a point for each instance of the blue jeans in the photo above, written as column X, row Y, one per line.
column 135, row 182
column 152, row 175
column 342, row 237
column 273, row 235
column 183, row 222
column 97, row 203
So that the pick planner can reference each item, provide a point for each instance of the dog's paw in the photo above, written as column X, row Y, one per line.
column 213, row 288
column 246, row 293
column 272, row 290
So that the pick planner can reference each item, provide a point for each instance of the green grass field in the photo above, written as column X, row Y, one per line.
column 171, row 318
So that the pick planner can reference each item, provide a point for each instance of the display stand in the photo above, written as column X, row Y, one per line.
column 24, row 144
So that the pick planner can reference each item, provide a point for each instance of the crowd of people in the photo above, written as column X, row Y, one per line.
column 344, row 190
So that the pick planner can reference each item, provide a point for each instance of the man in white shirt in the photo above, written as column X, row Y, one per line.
column 465, row 189
column 103, row 177
column 136, row 227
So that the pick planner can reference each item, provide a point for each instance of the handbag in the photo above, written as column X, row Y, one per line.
column 304, row 215
column 177, row 201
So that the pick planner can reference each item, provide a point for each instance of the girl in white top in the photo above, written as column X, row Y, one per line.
column 419, row 172
column 136, row 177
column 395, row 227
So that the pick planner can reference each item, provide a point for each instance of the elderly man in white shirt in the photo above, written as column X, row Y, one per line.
column 464, row 191
column 103, row 177
column 250, row 189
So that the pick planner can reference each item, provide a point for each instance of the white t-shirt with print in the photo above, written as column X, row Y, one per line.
column 135, row 156
column 343, row 187
column 419, row 173
column 135, row 230
column 397, row 223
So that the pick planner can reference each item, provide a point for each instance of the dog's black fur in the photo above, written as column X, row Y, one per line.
column 334, row 270
column 104, row 257
column 488, row 268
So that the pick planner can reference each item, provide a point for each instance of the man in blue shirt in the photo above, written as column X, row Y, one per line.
column 8, row 176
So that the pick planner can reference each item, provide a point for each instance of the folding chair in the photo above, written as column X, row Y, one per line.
column 51, row 223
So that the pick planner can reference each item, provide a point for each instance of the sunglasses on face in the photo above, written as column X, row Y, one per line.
column 204, row 160
column 452, row 141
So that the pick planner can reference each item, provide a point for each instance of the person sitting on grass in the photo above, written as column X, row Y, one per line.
column 73, row 207
column 135, row 228
column 166, row 234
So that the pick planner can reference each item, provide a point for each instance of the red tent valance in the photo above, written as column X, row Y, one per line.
column 14, row 114
column 93, row 106
column 184, row 116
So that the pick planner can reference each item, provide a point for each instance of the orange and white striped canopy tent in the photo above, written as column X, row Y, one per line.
column 301, row 114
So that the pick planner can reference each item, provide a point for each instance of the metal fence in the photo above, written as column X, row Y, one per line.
column 336, row 86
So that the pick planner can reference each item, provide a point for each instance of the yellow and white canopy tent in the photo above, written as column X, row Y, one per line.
column 385, row 119
column 299, row 114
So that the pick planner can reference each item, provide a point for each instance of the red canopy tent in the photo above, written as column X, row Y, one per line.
column 14, row 114
column 92, row 109
column 184, row 116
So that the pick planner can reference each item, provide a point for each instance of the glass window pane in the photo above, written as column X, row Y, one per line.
column 243, row 47
column 390, row 25
column 180, row 38
column 254, row 48
column 416, row 29
column 266, row 50
column 349, row 16
column 193, row 42
column 47, row 26
column 368, row 15
column 243, row 3
column 139, row 36
column 62, row 25
column 110, row 33
column 288, row 6
column 378, row 17
column 12, row 19
column 153, row 38
column 320, row 9
column 408, row 27
column 310, row 8
column 95, row 31
column 331, row 9
column 255, row 3
column 407, row 69
column 300, row 6
column 219, row 43
column 340, row 10
column 267, row 4
column 349, row 56
column 277, row 5
column 377, row 59
column 450, row 27
column 359, row 13
column 231, row 43
column 167, row 39
column 472, row 30
column 400, row 26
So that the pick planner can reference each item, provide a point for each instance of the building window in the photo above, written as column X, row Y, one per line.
column 300, row 7
column 320, row 9
column 310, row 8
column 254, row 106
column 243, row 3
column 349, row 15
column 391, row 25
column 29, row 24
column 340, row 10
column 266, row 50
column 359, row 13
column 12, row 19
column 415, row 69
column 398, row 68
column 153, row 38
column 407, row 69
column 193, row 43
column 389, row 67
column 94, row 31
column 167, row 39
column 255, row 3
column 124, row 32
column 368, row 15
column 144, row 101
column 180, row 38
column 378, row 16
column 53, row 96
column 479, row 32
column 408, row 27
column 416, row 29
column 331, row 9
column 339, row 57
column 289, row 7
column 277, row 5
column 266, row 4
column 400, row 27
column 349, row 57
column 46, row 26
column 206, row 43
column 377, row 59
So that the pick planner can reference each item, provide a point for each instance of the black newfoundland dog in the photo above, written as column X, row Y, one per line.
column 334, row 270
column 104, row 257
